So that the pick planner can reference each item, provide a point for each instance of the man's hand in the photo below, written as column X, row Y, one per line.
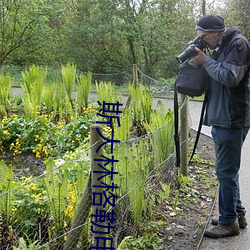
column 200, row 58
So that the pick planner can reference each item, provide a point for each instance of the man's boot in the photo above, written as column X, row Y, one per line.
column 221, row 231
column 241, row 219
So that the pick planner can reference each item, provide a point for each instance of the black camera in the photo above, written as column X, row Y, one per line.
column 190, row 51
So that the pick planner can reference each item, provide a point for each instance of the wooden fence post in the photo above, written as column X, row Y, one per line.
column 86, row 201
column 96, row 141
column 135, row 74
column 80, row 218
column 184, row 135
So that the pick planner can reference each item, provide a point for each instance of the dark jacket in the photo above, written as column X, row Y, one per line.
column 229, row 90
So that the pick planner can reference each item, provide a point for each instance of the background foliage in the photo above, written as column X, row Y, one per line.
column 106, row 36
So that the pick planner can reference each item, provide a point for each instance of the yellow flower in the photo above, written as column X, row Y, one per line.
column 14, row 209
column 17, row 152
column 6, row 132
column 73, row 199
column 31, row 187
column 37, row 196
column 45, row 151
column 26, row 178
column 71, row 194
column 38, row 156
column 69, row 211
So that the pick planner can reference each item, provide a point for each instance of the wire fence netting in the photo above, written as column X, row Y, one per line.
column 55, row 208
column 158, row 87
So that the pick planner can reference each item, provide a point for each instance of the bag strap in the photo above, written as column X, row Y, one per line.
column 199, row 127
column 176, row 126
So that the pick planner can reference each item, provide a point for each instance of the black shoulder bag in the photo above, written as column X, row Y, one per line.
column 191, row 81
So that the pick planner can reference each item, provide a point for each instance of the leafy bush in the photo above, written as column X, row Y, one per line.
column 42, row 137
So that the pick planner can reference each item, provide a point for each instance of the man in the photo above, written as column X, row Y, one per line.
column 228, row 112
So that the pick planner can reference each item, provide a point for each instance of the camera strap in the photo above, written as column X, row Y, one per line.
column 199, row 127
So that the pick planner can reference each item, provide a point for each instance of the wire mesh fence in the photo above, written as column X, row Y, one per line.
column 162, row 87
column 158, row 87
column 62, row 209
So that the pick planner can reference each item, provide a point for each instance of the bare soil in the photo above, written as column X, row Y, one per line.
column 187, row 223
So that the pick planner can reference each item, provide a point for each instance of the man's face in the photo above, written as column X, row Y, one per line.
column 211, row 38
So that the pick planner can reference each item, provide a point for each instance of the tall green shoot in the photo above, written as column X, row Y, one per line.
column 56, row 184
column 83, row 91
column 33, row 86
column 106, row 91
column 161, row 128
column 141, row 106
column 62, row 106
column 123, row 132
column 68, row 74
column 6, row 184
column 48, row 98
column 5, row 90
column 133, row 170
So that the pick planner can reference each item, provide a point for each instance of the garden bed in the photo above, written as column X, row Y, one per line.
column 158, row 208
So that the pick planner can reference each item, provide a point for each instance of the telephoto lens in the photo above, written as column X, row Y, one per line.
column 190, row 50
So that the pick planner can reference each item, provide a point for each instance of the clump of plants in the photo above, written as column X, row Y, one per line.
column 43, row 137
column 5, row 92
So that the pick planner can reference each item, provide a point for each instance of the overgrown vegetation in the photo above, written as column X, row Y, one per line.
column 57, row 130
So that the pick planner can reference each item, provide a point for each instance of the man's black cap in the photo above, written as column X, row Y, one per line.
column 210, row 23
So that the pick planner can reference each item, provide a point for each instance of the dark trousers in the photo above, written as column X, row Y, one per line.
column 228, row 145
